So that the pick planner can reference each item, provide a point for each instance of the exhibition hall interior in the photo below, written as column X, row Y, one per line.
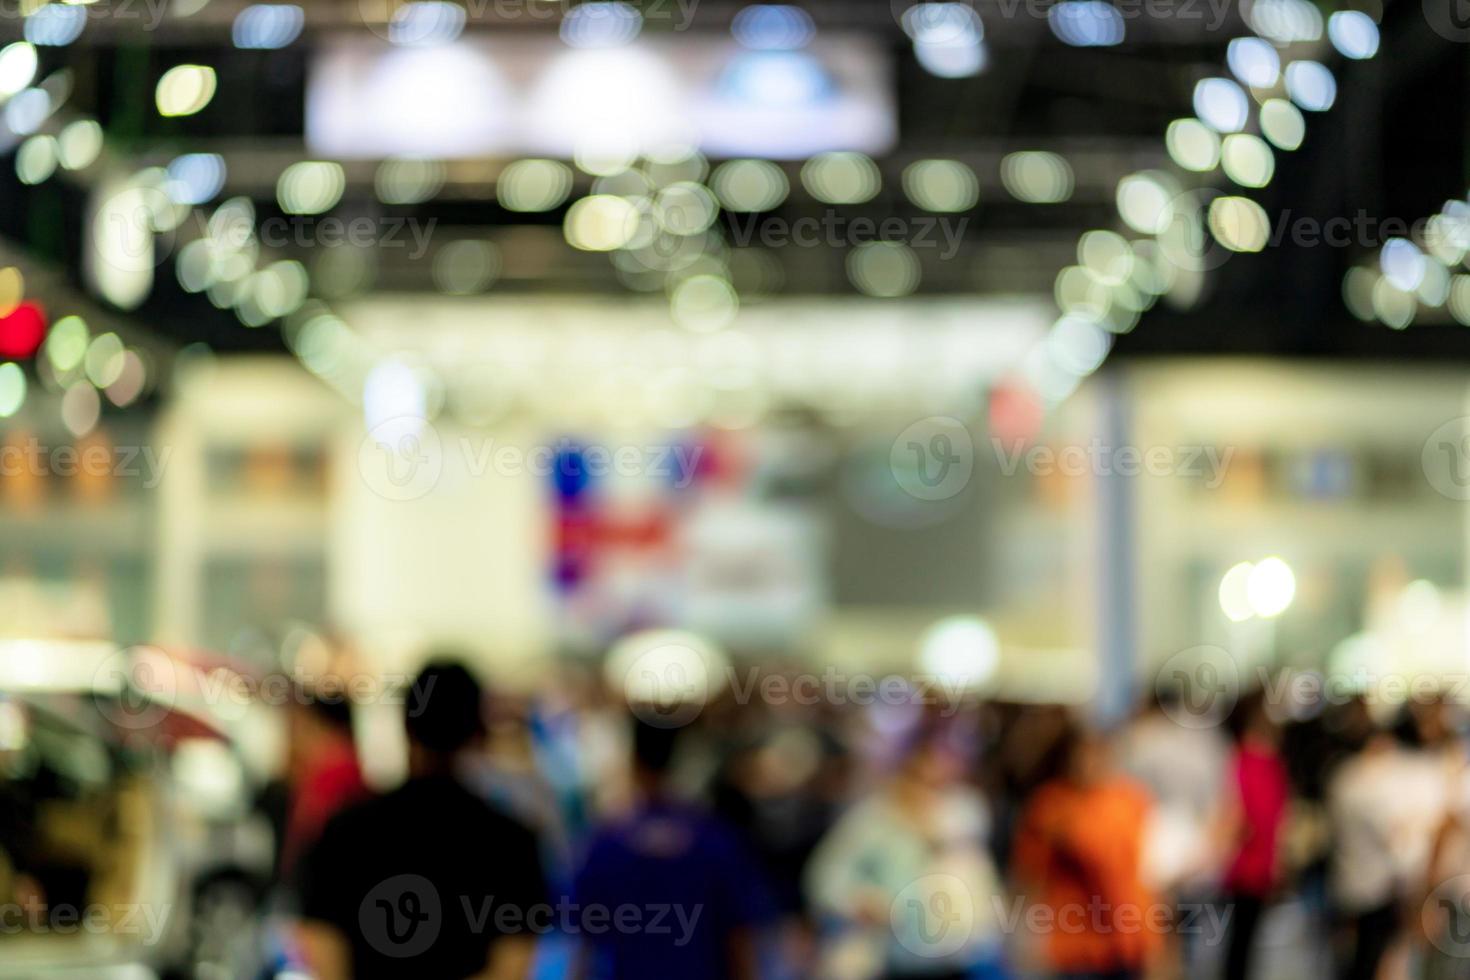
column 833, row 489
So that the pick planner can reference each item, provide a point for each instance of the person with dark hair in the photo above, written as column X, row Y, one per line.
column 672, row 861
column 1257, row 807
column 427, row 880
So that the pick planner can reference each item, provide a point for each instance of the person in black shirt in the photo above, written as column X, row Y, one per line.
column 427, row 880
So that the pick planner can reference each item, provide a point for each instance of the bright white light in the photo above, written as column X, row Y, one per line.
column 426, row 23
column 310, row 187
column 1254, row 61
column 12, row 389
column 789, row 79
column 56, row 25
column 1282, row 124
column 1419, row 605
column 1078, row 345
column 1144, row 202
column 1105, row 256
column 1247, row 160
column 1311, row 85
column 25, row 113
column 611, row 101
column 195, row 178
column 1239, row 224
column 666, row 668
column 80, row 143
column 408, row 180
column 36, row 159
column 1394, row 306
column 773, row 27
column 1271, row 586
column 1221, row 104
column 394, row 402
column 704, row 303
column 948, row 38
column 1434, row 288
column 1086, row 23
column 1353, row 33
column 1402, row 263
column 185, row 89
column 533, row 185
column 841, row 178
column 1285, row 21
column 600, row 223
column 268, row 26
column 938, row 23
column 1037, row 177
column 17, row 67
column 749, row 185
column 1193, row 145
column 941, row 185
column 119, row 264
column 601, row 24
column 1235, row 599
column 958, row 58
column 962, row 650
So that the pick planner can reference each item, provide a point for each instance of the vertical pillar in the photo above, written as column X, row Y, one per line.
column 1117, row 615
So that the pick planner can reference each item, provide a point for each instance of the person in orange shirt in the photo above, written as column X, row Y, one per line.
column 1078, row 856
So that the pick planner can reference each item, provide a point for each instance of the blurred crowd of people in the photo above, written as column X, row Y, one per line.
column 572, row 834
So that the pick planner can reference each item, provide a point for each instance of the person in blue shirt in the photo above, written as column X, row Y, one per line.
column 667, row 890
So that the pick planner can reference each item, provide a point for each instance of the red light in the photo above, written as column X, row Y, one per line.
column 22, row 331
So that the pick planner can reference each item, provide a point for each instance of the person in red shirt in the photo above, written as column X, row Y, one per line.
column 1257, row 796
column 1078, row 853
column 324, row 770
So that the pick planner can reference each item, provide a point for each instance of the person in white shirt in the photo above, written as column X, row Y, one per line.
column 1385, row 804
column 903, row 881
